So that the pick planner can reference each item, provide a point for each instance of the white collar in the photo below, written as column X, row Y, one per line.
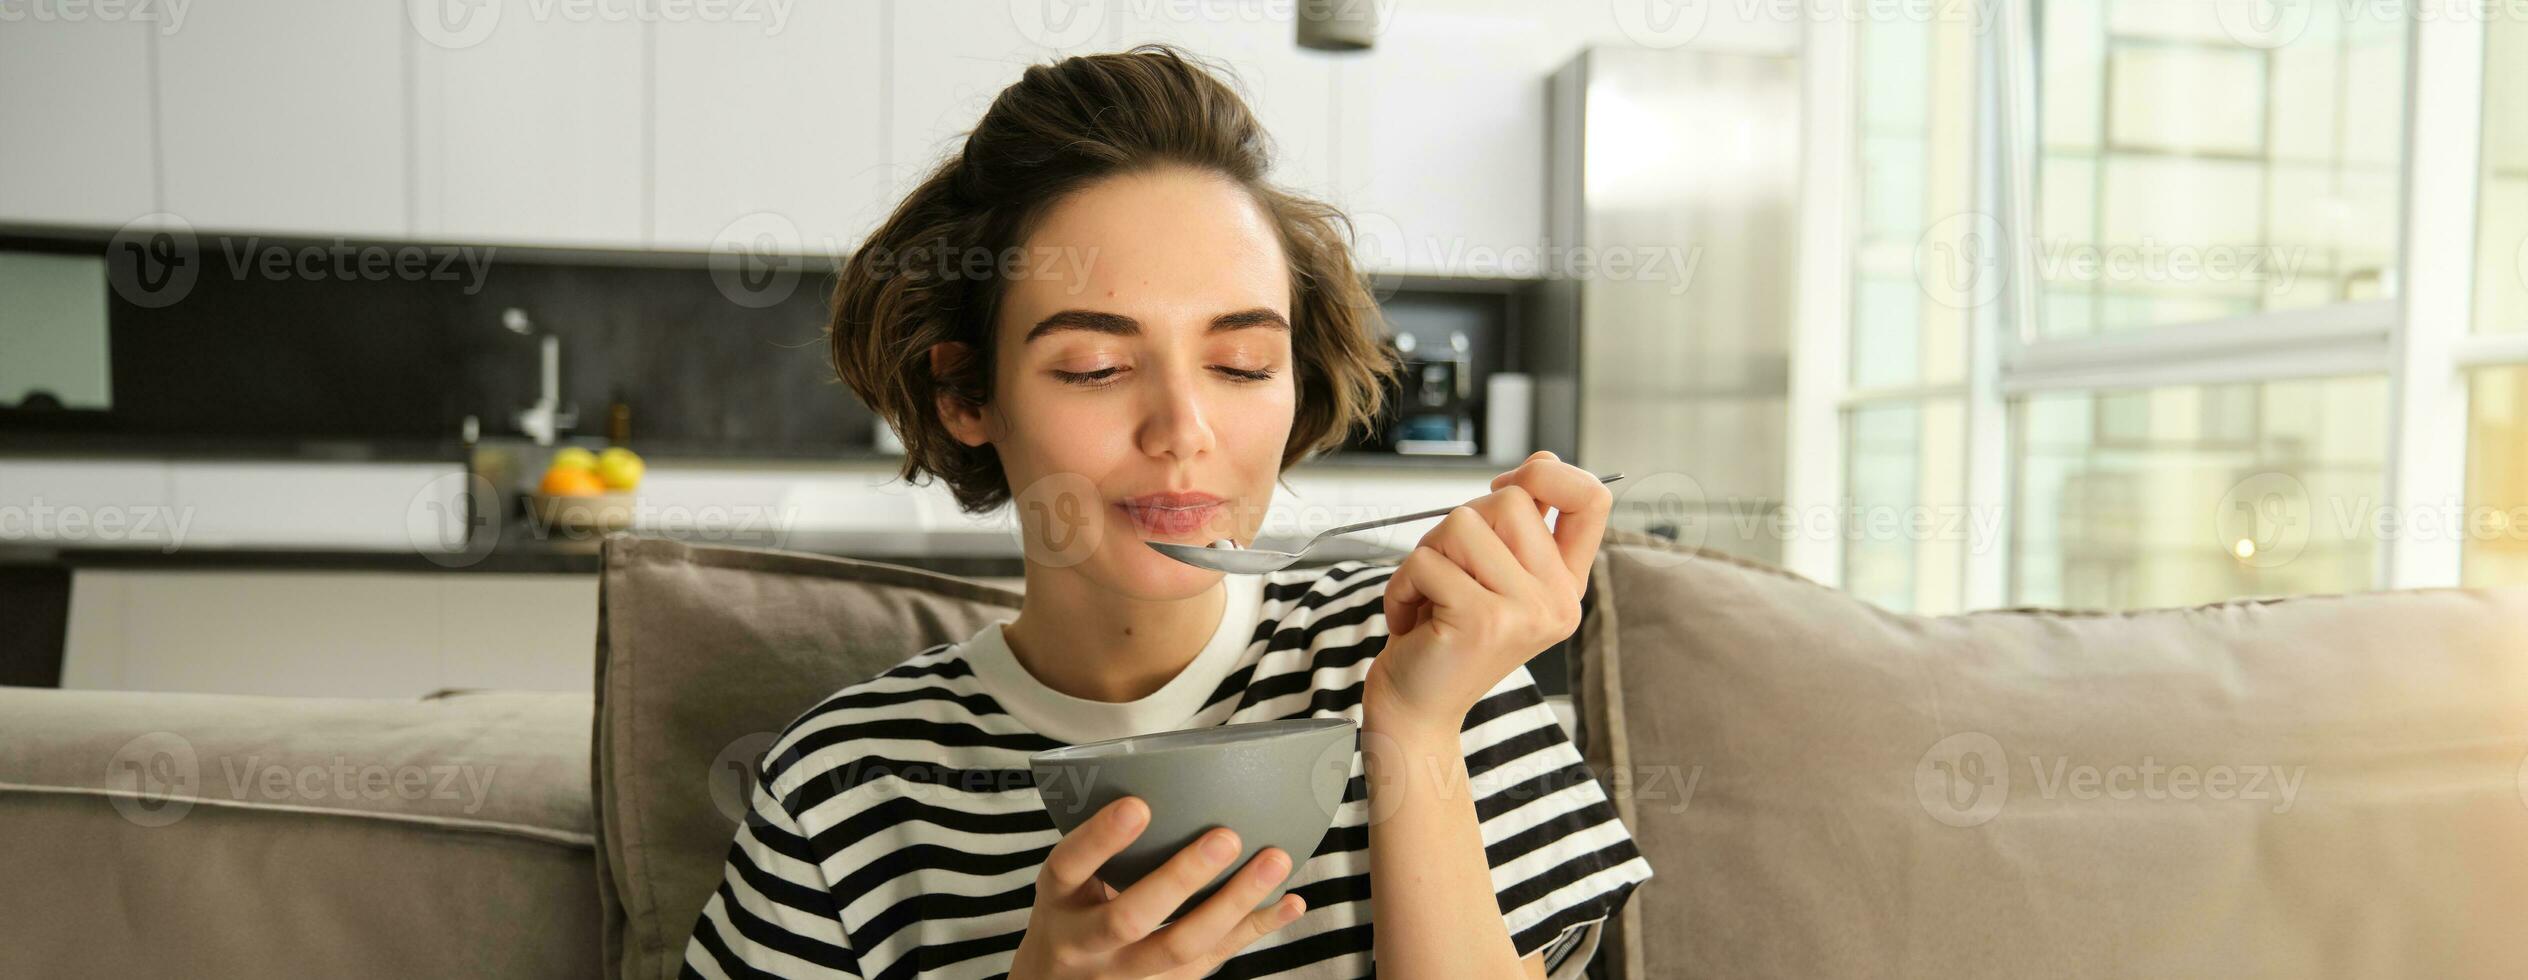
column 1076, row 720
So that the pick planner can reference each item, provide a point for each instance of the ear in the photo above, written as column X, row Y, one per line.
column 963, row 421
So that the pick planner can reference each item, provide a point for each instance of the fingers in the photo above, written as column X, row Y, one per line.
column 1426, row 575
column 1583, row 500
column 1142, row 907
column 1074, row 861
column 1517, row 518
column 1467, row 537
column 1210, row 927
column 1261, row 923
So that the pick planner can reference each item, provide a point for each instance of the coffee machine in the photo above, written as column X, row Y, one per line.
column 1434, row 414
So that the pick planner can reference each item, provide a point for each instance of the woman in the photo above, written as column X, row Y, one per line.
column 1102, row 313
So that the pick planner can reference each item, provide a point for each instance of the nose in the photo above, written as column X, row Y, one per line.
column 1175, row 423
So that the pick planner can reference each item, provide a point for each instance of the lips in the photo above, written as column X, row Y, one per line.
column 1172, row 513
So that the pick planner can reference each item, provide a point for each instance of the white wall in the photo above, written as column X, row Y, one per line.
column 523, row 123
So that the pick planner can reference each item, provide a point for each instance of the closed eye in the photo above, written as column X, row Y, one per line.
column 1105, row 376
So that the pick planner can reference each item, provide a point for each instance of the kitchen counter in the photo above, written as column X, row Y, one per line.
column 520, row 549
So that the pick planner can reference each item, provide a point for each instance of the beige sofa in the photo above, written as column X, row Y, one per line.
column 2322, row 786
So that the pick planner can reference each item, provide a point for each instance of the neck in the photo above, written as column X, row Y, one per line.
column 1090, row 642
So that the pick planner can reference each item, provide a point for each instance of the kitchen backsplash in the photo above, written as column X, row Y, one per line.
column 224, row 339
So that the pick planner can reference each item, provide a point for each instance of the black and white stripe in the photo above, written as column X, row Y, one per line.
column 897, row 833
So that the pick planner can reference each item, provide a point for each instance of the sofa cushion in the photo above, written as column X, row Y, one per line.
column 703, row 655
column 2325, row 785
column 160, row 834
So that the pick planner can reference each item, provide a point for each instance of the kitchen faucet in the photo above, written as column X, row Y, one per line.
column 547, row 417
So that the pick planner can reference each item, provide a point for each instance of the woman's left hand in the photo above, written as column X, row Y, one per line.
column 1483, row 592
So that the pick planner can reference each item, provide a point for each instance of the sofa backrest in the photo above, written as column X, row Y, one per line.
column 2323, row 785
column 703, row 655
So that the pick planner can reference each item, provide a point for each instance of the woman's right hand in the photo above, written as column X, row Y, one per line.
column 1082, row 929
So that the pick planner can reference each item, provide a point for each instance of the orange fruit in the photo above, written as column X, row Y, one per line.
column 570, row 481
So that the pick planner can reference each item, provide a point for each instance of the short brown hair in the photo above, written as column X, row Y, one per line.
column 1062, row 127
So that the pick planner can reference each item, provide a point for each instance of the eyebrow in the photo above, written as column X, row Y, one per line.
column 1116, row 323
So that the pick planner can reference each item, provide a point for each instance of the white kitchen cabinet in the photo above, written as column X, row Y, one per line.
column 287, row 116
column 771, row 129
column 1290, row 88
column 74, row 99
column 87, row 503
column 530, row 130
column 1442, row 139
column 948, row 62
column 336, row 506
column 169, row 504
column 329, row 634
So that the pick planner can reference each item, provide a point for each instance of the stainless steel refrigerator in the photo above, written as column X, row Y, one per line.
column 1664, row 341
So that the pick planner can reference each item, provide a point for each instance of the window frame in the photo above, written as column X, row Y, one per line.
column 2422, row 339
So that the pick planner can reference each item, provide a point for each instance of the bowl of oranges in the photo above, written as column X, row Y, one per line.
column 587, row 491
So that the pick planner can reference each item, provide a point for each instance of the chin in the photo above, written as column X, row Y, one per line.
column 1136, row 570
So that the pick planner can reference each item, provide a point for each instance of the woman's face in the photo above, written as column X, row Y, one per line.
column 1143, row 386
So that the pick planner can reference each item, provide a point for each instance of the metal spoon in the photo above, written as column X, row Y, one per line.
column 1257, row 561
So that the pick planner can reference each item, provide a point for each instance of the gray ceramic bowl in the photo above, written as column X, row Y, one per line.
column 1277, row 783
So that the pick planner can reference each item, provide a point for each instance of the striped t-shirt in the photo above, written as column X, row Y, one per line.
column 896, row 830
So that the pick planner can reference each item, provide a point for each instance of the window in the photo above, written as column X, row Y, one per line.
column 2208, row 298
column 1903, row 533
column 2169, row 496
column 2496, row 548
